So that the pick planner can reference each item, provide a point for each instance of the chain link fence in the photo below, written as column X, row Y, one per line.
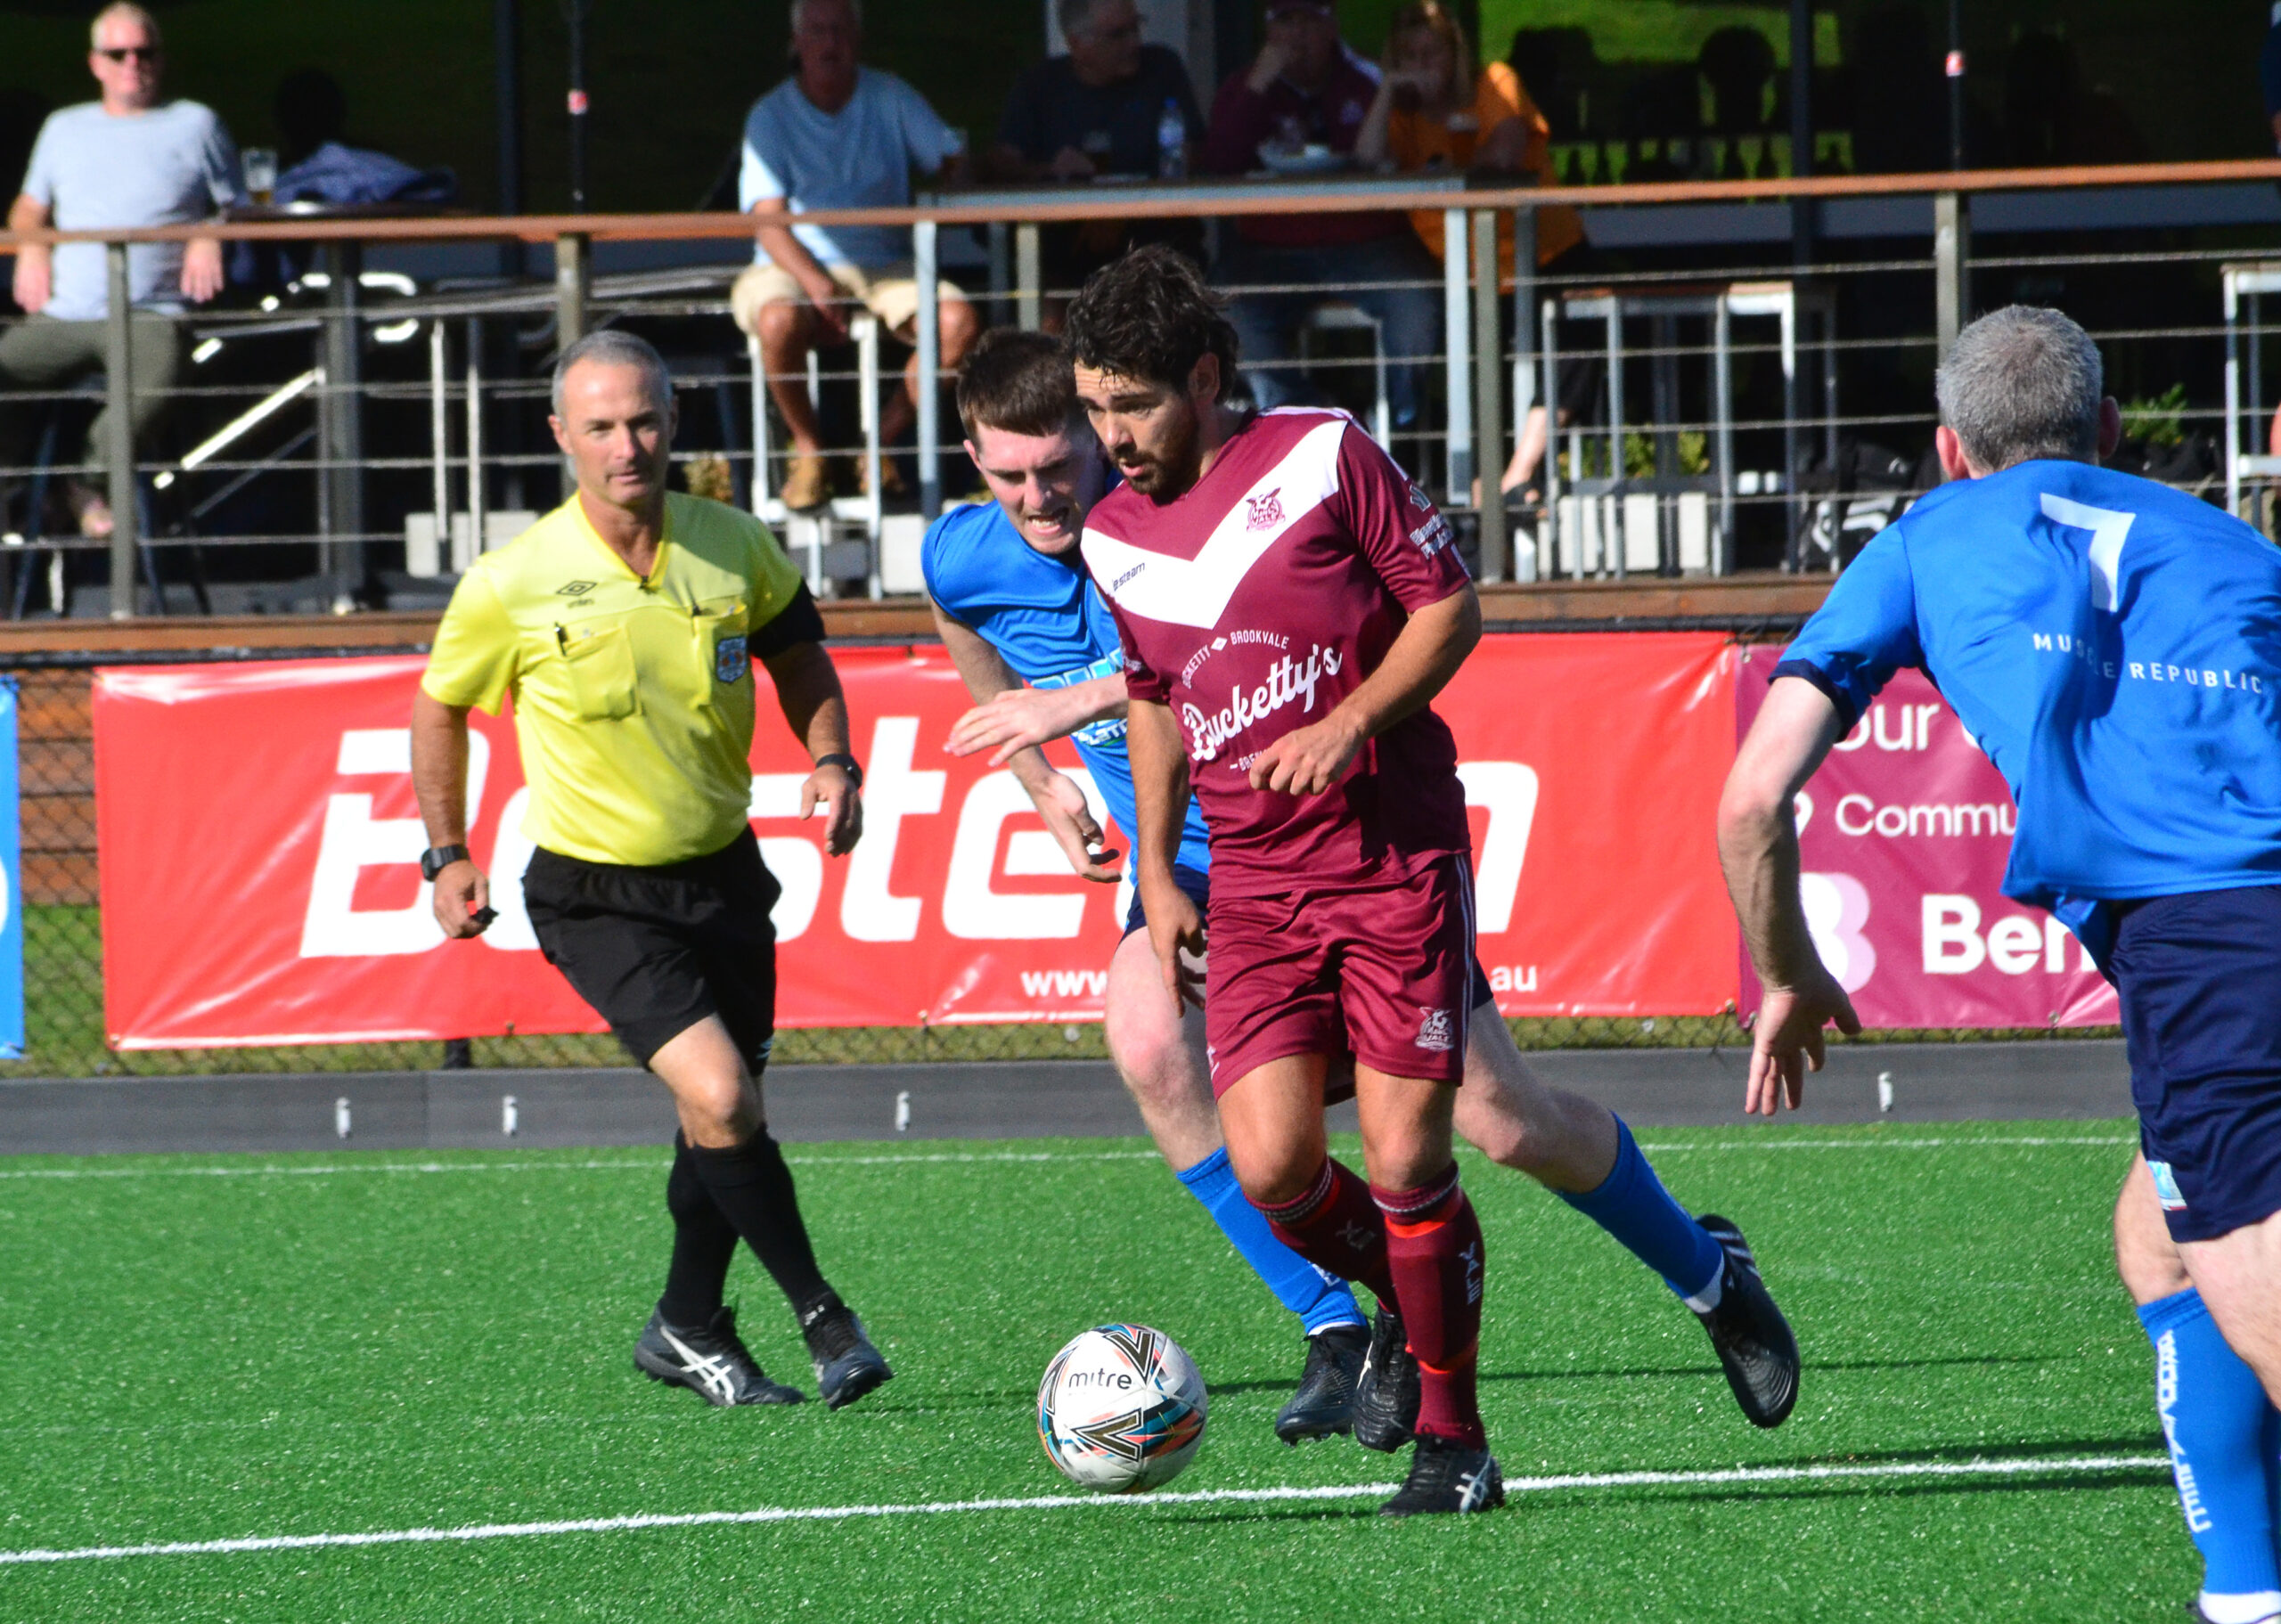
column 63, row 978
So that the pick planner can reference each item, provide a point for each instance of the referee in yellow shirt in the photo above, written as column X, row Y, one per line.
column 626, row 623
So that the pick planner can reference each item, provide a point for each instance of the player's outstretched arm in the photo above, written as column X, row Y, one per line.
column 808, row 692
column 1059, row 803
column 440, row 780
column 1161, row 789
column 1019, row 718
column 1758, row 849
column 1425, row 655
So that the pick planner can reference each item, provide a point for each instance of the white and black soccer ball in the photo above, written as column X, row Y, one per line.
column 1121, row 1409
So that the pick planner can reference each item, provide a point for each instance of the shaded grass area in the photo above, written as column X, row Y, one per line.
column 294, row 1351
column 63, row 996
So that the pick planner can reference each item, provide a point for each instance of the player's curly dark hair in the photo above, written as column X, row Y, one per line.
column 1150, row 316
column 1018, row 382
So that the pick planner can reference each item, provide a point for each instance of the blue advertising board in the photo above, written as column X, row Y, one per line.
column 12, row 890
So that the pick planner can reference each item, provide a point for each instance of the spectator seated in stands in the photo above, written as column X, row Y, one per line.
column 128, row 160
column 838, row 135
column 1432, row 112
column 1097, row 112
column 320, row 165
column 1306, row 86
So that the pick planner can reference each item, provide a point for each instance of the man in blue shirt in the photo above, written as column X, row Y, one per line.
column 2115, row 647
column 1039, row 650
column 836, row 134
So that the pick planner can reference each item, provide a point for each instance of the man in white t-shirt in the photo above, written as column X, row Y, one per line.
column 128, row 160
column 838, row 135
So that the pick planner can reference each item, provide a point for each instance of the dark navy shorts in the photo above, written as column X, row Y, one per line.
column 1196, row 885
column 2200, row 980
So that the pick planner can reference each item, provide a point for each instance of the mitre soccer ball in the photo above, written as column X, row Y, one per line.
column 1121, row 1409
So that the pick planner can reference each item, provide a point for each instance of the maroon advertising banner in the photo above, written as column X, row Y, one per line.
column 1903, row 836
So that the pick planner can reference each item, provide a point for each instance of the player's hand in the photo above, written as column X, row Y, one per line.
column 201, row 269
column 823, row 299
column 1016, row 719
column 1786, row 1041
column 34, row 279
column 1067, row 818
column 1307, row 760
column 462, row 893
column 843, row 826
column 1176, row 932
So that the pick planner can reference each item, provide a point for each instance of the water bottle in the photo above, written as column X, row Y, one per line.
column 1172, row 143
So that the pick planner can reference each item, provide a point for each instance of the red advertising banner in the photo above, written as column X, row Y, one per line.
column 259, row 844
column 1903, row 837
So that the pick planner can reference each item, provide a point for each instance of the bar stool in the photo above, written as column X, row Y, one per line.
column 846, row 532
column 1336, row 315
column 1606, row 509
column 2248, row 470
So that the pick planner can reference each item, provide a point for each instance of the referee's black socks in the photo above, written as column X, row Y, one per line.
column 704, row 1243
column 752, row 1189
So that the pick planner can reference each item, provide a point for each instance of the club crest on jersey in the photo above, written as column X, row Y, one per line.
column 1265, row 511
column 1438, row 1030
column 730, row 661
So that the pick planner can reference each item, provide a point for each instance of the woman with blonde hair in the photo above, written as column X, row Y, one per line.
column 1433, row 112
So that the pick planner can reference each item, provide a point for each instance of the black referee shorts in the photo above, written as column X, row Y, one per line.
column 656, row 950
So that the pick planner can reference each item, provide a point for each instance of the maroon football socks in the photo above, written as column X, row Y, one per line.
column 1434, row 1253
column 1336, row 1225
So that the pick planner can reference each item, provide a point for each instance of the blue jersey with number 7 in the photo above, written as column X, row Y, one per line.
column 2113, row 645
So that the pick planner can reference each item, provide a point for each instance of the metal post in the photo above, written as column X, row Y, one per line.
column 119, row 386
column 1001, row 242
column 1722, row 369
column 1550, row 471
column 1662, row 382
column 930, row 372
column 572, row 279
column 507, row 76
column 1457, row 339
column 1952, row 254
column 2233, row 397
column 1524, row 351
column 439, row 435
column 475, row 493
column 1489, row 399
column 1794, row 555
column 1029, row 276
column 759, row 423
column 1614, row 535
column 344, row 374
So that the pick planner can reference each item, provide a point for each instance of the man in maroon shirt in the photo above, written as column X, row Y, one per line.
column 1288, row 604
column 1306, row 85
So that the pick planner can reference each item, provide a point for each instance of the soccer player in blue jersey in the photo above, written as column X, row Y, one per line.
column 1039, row 651
column 2115, row 647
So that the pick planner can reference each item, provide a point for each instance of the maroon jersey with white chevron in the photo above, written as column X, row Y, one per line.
column 1255, row 602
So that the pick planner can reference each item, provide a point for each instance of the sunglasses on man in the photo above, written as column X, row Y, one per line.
column 140, row 53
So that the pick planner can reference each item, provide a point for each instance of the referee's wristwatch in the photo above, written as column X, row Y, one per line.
column 435, row 858
column 846, row 764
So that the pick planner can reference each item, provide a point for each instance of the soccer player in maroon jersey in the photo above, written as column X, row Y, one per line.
column 1288, row 606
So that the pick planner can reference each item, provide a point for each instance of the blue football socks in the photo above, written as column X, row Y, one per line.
column 1320, row 1300
column 1632, row 1205
column 2223, row 1432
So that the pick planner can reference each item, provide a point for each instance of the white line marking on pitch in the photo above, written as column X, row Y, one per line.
column 1073, row 1502
column 336, row 1170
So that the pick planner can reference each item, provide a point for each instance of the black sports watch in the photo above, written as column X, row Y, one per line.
column 435, row 858
column 846, row 764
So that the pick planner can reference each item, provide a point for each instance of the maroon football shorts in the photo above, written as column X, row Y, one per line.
column 1385, row 973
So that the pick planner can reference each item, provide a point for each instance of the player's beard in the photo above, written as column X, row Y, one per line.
column 1167, row 473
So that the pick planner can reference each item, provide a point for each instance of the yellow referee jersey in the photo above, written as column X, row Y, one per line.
column 633, row 696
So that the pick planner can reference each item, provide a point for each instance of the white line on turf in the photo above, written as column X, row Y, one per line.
column 1074, row 1502
column 334, row 1169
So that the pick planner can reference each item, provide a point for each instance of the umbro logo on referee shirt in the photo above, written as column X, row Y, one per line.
column 574, row 589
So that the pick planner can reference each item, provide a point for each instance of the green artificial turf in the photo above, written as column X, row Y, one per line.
column 261, row 1350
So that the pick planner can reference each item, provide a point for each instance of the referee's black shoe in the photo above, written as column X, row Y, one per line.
column 1324, row 1402
column 847, row 1365
column 710, row 1362
column 1447, row 1476
column 1753, row 1342
column 1385, row 1393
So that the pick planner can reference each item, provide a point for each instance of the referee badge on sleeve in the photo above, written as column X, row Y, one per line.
column 729, row 662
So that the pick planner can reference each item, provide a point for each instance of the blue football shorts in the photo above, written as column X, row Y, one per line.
column 2200, row 980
